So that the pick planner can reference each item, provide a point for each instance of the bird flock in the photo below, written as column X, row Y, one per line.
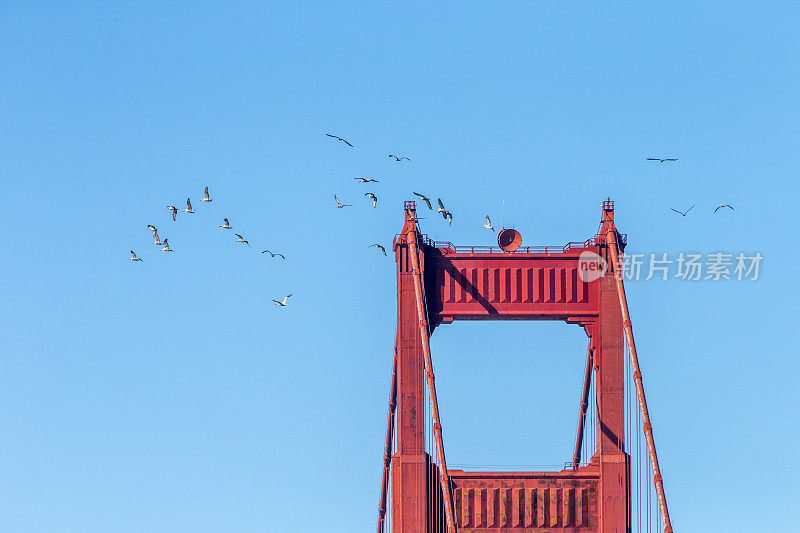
column 225, row 225
column 683, row 213
column 446, row 214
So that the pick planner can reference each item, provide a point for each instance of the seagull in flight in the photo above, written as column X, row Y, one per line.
column 151, row 227
column 155, row 236
column 166, row 247
column 206, row 198
column 226, row 225
column 426, row 200
column 448, row 216
column 366, row 180
column 133, row 256
column 339, row 204
column 283, row 302
column 682, row 213
column 373, row 197
column 173, row 209
column 241, row 239
column 339, row 139
column 441, row 208
column 720, row 206
column 382, row 249
column 660, row 160
column 488, row 224
column 273, row 254
column 399, row 158
column 188, row 206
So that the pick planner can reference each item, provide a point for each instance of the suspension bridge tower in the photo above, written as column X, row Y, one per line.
column 580, row 284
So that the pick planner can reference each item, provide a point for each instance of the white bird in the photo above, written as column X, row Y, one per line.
column 188, row 206
column 226, row 225
column 661, row 160
column 373, row 197
column 488, row 224
column 448, row 216
column 206, row 198
column 339, row 204
column 682, row 213
column 720, row 206
column 173, row 209
column 366, row 180
column 399, row 158
column 241, row 239
column 379, row 246
column 282, row 303
column 133, row 256
column 156, row 237
column 441, row 207
column 425, row 199
column 166, row 247
column 273, row 254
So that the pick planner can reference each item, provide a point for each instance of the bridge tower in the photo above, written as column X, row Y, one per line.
column 580, row 284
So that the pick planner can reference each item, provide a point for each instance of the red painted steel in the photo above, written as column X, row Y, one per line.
column 531, row 283
column 387, row 450
column 424, row 332
column 509, row 239
column 637, row 379
column 587, row 382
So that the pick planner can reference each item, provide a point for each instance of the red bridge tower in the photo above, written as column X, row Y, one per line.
column 438, row 283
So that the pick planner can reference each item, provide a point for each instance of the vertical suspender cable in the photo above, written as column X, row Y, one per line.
column 611, row 238
column 444, row 476
column 387, row 450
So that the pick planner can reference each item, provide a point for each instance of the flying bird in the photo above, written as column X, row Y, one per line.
column 173, row 209
column 441, row 207
column 425, row 199
column 373, row 197
column 206, row 198
column 340, row 204
column 448, row 216
column 339, row 139
column 283, row 302
column 273, row 254
column 720, row 206
column 399, row 158
column 155, row 236
column 241, row 239
column 133, row 256
column 488, row 224
column 226, row 225
column 366, row 180
column 151, row 227
column 682, row 213
column 382, row 249
column 188, row 206
column 660, row 160
column 166, row 247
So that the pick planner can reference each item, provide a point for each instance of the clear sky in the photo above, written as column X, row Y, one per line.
column 172, row 395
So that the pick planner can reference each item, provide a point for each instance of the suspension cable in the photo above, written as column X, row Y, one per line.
column 444, row 477
column 611, row 238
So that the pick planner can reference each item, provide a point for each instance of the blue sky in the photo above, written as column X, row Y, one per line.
column 171, row 395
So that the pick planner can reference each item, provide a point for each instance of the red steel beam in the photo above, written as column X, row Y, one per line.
column 444, row 477
column 587, row 382
column 387, row 452
column 637, row 378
